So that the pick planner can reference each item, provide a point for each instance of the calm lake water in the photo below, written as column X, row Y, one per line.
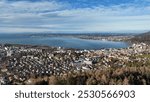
column 66, row 42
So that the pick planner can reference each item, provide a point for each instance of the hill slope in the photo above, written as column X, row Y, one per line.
column 145, row 38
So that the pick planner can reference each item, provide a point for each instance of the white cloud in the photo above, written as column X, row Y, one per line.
column 52, row 16
column 25, row 7
column 103, row 19
column 22, row 30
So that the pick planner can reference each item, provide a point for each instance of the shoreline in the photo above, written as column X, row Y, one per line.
column 107, row 38
column 118, row 37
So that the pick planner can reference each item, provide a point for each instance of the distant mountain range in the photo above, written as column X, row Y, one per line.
column 144, row 37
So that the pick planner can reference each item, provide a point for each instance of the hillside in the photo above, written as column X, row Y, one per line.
column 144, row 37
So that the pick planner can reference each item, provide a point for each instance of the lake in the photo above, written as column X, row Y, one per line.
column 66, row 42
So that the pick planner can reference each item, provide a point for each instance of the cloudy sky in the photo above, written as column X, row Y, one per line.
column 21, row 16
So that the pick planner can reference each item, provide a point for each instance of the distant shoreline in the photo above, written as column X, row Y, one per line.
column 108, row 37
column 88, row 42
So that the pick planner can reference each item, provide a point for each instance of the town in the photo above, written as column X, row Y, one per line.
column 21, row 63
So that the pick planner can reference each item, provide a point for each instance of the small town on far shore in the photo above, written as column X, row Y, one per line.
column 29, row 65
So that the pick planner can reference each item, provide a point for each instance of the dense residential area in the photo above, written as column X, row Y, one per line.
column 26, row 64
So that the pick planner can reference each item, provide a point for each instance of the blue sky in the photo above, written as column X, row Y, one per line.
column 67, row 16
